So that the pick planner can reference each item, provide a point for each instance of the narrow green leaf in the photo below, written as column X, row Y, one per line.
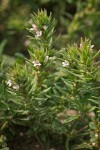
column 70, row 119
column 92, row 125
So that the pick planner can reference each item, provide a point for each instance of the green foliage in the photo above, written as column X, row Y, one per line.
column 85, row 23
column 74, row 18
column 15, row 15
column 53, row 92
column 5, row 61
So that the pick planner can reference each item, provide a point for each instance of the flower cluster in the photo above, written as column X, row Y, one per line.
column 38, row 33
column 65, row 63
column 36, row 63
column 50, row 58
column 14, row 86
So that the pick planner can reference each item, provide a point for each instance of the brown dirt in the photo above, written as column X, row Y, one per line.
column 21, row 141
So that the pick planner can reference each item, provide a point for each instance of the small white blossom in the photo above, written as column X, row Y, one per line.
column 81, row 45
column 9, row 83
column 36, row 63
column 96, row 135
column 93, row 144
column 38, row 34
column 16, row 87
column 47, row 58
column 92, row 47
column 65, row 63
column 50, row 58
column 35, row 28
column 45, row 27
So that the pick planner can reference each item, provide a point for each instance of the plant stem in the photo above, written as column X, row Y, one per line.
column 67, row 142
column 68, row 135
column 38, row 139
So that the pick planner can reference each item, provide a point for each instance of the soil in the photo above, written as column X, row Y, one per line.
column 21, row 141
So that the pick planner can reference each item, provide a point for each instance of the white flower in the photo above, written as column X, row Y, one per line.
column 92, row 46
column 45, row 27
column 9, row 83
column 93, row 144
column 81, row 45
column 38, row 34
column 47, row 58
column 65, row 63
column 15, row 87
column 96, row 135
column 36, row 63
column 50, row 58
column 35, row 28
